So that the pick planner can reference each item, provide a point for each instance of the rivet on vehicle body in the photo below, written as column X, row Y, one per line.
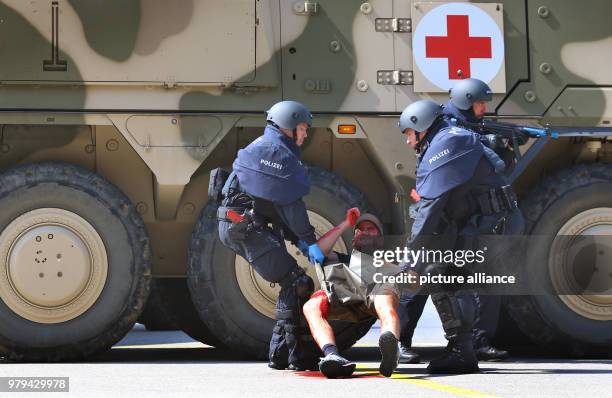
column 309, row 85
column 399, row 166
column 298, row 7
column 174, row 121
column 188, row 208
column 543, row 11
column 141, row 207
column 112, row 145
column 89, row 148
column 530, row 96
column 335, row 46
column 362, row 85
column 365, row 8
column 545, row 68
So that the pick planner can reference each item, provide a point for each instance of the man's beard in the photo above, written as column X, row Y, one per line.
column 368, row 244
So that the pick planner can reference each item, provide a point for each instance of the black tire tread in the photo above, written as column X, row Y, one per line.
column 521, row 308
column 79, row 178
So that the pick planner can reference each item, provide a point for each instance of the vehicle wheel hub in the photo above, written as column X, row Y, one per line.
column 54, row 265
column 582, row 261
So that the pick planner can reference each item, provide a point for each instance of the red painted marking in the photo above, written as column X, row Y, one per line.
column 459, row 47
column 315, row 375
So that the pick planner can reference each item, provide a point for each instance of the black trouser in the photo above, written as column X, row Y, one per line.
column 291, row 341
column 487, row 305
column 455, row 306
column 485, row 324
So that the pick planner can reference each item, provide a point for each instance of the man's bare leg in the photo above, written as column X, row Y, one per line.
column 332, row 365
column 386, row 309
column 321, row 330
column 385, row 305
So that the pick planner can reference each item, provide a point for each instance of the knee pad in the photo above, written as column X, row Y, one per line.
column 456, row 311
column 304, row 286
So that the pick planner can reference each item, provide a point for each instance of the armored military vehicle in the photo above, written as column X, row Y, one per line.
column 113, row 113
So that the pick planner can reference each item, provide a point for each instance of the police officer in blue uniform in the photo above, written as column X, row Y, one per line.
column 468, row 103
column 462, row 195
column 262, row 207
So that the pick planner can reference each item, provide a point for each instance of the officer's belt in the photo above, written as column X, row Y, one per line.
column 496, row 200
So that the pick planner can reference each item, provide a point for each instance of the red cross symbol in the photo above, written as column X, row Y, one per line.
column 459, row 47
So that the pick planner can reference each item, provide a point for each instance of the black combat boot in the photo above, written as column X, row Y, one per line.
column 277, row 365
column 460, row 358
column 407, row 355
column 485, row 351
column 490, row 353
column 457, row 315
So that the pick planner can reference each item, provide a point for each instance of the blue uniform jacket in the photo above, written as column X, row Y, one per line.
column 452, row 158
column 270, row 169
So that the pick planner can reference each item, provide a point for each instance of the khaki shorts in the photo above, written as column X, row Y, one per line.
column 353, row 311
column 349, row 287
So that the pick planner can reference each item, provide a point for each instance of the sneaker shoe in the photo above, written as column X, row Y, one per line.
column 333, row 366
column 389, row 348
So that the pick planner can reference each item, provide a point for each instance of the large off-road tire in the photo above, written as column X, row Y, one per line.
column 176, row 300
column 235, row 302
column 155, row 316
column 574, row 202
column 74, row 263
column 508, row 335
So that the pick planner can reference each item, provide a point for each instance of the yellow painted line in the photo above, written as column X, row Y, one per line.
column 433, row 385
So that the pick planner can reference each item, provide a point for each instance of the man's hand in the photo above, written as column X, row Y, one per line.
column 352, row 215
column 414, row 195
column 315, row 255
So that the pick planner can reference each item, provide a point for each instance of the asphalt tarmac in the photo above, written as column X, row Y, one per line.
column 162, row 364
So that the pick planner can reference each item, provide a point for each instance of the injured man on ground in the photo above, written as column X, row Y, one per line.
column 349, row 293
